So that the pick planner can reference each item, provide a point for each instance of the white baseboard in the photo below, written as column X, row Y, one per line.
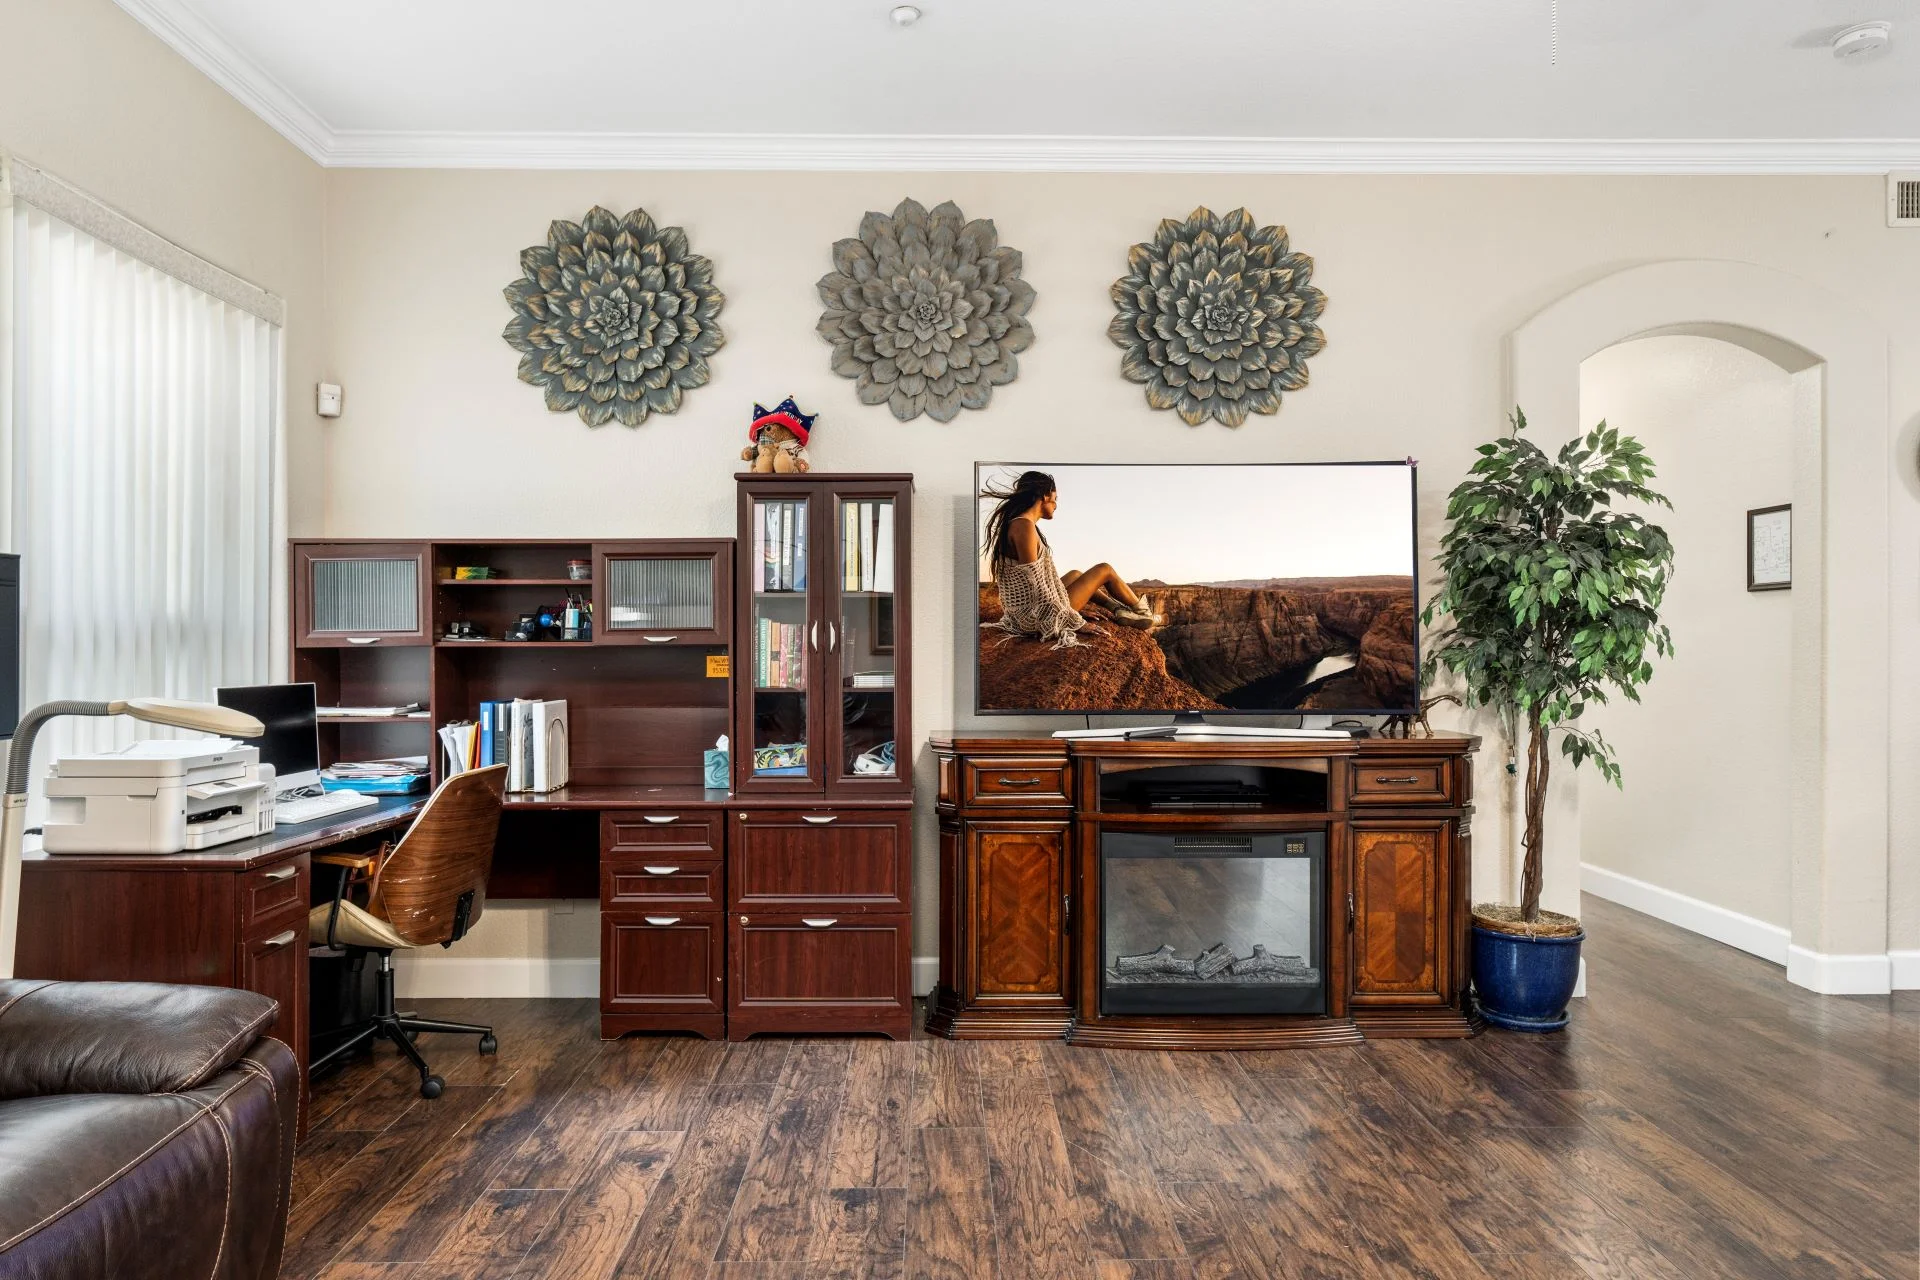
column 1867, row 975
column 483, row 977
column 1755, row 937
column 1906, row 970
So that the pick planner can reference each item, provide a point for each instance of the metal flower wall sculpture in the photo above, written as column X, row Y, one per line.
column 1217, row 318
column 926, row 311
column 616, row 317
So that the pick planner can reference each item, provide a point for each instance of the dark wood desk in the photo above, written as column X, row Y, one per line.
column 231, row 916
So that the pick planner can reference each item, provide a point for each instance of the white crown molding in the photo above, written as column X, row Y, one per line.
column 967, row 154
column 188, row 34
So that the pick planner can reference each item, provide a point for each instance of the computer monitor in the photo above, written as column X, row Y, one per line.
column 291, row 743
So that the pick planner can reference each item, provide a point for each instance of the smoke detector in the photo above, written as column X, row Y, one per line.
column 903, row 15
column 1863, row 41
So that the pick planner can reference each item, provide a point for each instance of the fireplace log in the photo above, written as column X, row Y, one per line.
column 1264, row 961
column 1213, row 962
column 1161, row 960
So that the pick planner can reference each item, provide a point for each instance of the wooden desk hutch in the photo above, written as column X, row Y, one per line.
column 781, row 904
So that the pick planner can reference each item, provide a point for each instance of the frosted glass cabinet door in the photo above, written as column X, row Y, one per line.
column 664, row 594
column 360, row 595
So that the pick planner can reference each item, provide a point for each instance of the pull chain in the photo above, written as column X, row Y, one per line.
column 1553, row 48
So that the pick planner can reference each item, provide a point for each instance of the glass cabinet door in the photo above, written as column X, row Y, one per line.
column 866, row 568
column 781, row 645
column 663, row 594
column 360, row 594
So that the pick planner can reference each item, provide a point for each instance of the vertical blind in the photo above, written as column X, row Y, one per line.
column 144, row 418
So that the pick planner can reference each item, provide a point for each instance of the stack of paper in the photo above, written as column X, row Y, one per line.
column 344, row 713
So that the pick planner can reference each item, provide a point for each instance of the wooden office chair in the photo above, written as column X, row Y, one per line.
column 427, row 889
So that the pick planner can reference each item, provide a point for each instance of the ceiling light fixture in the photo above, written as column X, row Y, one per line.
column 904, row 15
column 1862, row 41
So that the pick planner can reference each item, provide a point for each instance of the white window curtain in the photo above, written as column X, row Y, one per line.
column 142, row 423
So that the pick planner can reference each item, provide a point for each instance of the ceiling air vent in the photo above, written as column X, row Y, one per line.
column 1903, row 199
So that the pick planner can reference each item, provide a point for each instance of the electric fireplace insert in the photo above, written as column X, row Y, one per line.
column 1213, row 923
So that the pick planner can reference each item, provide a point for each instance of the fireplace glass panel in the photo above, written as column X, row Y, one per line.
column 1223, row 924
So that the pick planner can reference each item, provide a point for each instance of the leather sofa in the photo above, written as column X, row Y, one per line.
column 146, row 1132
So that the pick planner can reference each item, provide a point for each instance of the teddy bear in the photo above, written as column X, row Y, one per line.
column 779, row 438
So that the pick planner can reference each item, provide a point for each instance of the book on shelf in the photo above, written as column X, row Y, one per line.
column 869, row 513
column 882, row 548
column 528, row 735
column 356, row 713
column 866, row 546
column 870, row 680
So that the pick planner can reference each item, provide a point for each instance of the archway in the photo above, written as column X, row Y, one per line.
column 1842, row 686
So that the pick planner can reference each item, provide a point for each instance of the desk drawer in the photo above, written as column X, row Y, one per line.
column 265, row 891
column 662, row 962
column 814, row 970
column 1013, row 783
column 662, row 880
column 1401, row 782
column 695, row 832
column 799, row 860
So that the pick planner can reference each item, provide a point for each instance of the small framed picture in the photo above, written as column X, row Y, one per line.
column 880, row 622
column 1770, row 548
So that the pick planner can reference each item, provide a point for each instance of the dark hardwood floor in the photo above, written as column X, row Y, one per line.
column 1701, row 1118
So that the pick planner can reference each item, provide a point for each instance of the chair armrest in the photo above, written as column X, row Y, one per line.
column 122, row 1037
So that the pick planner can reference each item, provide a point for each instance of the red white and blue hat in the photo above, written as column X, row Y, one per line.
column 785, row 414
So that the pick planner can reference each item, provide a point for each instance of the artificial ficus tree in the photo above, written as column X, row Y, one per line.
column 1549, row 599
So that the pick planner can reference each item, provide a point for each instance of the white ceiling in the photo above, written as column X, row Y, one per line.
column 1370, row 84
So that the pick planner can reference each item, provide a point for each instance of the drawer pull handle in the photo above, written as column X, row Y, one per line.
column 1019, row 782
column 663, row 920
column 279, row 940
column 280, row 873
column 662, row 817
column 819, row 819
column 1407, row 781
column 819, row 922
column 363, row 639
column 659, row 639
column 660, row 871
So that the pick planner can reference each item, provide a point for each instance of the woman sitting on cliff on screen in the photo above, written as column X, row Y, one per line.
column 1035, row 598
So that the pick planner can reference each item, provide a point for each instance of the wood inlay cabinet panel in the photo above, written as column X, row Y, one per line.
column 1018, row 882
column 1399, row 916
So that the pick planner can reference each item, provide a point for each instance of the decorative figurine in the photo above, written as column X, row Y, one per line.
column 779, row 437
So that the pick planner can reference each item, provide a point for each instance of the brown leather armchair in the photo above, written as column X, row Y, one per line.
column 146, row 1132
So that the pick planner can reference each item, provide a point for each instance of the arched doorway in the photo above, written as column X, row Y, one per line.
column 1842, row 692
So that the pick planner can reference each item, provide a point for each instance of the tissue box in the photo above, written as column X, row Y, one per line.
column 716, row 770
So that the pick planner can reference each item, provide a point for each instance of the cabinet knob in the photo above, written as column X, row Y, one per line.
column 663, row 920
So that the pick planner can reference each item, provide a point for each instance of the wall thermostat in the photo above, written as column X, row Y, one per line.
column 327, row 403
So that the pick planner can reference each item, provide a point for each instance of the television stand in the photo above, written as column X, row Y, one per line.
column 1053, row 868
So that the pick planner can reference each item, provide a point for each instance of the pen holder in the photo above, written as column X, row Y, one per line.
column 716, row 770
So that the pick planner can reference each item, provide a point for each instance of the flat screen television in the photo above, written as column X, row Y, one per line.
column 1273, row 588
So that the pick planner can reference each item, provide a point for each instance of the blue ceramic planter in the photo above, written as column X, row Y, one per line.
column 1524, row 983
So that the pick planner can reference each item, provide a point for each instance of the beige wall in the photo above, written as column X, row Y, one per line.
column 1426, row 276
column 91, row 97
column 1705, row 808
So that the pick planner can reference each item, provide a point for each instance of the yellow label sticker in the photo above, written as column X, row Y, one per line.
column 719, row 666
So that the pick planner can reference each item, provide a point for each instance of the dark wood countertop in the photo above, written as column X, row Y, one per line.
column 243, row 855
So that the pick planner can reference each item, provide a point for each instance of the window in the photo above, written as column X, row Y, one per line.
column 141, row 418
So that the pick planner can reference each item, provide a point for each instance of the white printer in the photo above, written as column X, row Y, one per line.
column 158, row 797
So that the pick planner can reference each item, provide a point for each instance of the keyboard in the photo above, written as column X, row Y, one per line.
column 313, row 808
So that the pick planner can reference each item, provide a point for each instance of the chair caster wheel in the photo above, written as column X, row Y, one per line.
column 431, row 1087
column 411, row 1035
column 488, row 1044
